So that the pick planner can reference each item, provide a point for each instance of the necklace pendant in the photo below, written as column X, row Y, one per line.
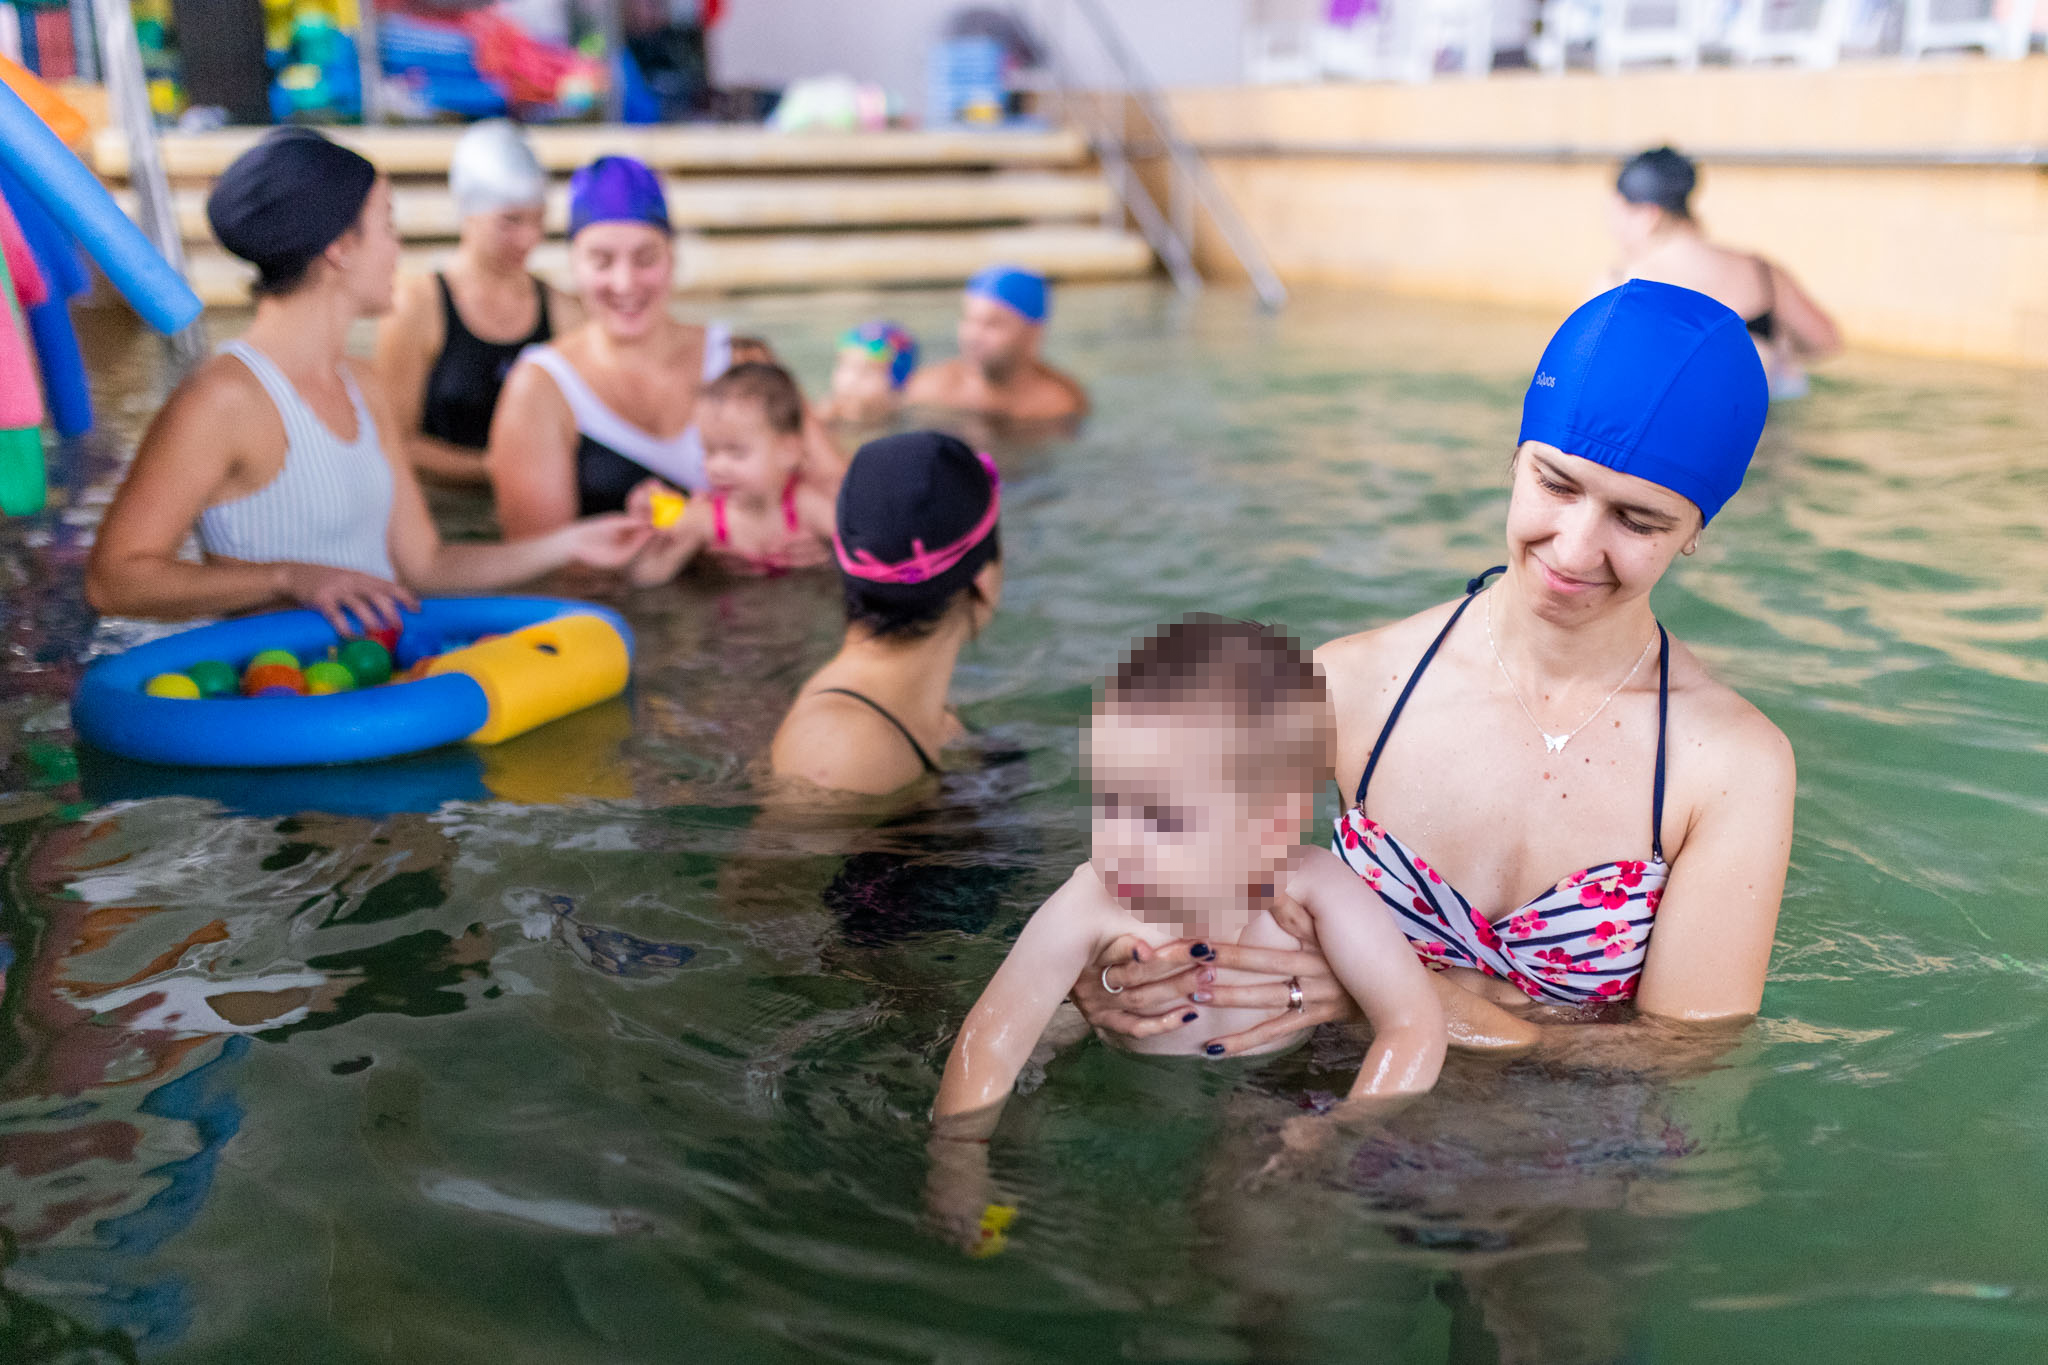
column 1554, row 744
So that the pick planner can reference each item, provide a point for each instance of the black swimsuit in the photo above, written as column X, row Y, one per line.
column 1764, row 326
column 468, row 375
column 886, row 714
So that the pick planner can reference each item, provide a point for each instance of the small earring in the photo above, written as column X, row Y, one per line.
column 1690, row 548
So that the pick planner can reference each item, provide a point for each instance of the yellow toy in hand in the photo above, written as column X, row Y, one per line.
column 665, row 508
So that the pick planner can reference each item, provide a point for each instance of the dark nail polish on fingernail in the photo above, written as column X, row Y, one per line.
column 1188, row 1018
column 1200, row 950
column 1214, row 1049
column 1134, row 954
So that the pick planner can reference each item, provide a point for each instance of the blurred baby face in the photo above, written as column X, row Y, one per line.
column 860, row 382
column 1178, row 839
column 742, row 453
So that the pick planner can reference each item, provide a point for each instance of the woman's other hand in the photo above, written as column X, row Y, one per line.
column 1323, row 998
column 351, row 602
column 1137, row 991
column 605, row 542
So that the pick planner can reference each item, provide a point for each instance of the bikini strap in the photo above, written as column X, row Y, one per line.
column 790, row 520
column 1472, row 587
column 886, row 714
column 542, row 328
column 718, row 533
column 1663, row 715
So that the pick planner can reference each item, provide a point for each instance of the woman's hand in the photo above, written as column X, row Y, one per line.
column 1323, row 998
column 1150, row 990
column 341, row 594
column 605, row 542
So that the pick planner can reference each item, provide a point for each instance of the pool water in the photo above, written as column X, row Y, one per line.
column 573, row 1053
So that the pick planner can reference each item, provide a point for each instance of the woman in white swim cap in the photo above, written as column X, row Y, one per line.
column 445, row 349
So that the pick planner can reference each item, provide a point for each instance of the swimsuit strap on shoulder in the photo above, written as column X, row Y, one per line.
column 790, row 520
column 719, row 535
column 1472, row 587
column 1663, row 715
column 886, row 714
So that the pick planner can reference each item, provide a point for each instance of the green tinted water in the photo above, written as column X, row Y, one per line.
column 596, row 1067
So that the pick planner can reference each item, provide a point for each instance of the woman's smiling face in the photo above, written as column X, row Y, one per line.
column 624, row 272
column 1583, row 536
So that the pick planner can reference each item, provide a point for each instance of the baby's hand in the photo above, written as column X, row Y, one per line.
column 961, row 1200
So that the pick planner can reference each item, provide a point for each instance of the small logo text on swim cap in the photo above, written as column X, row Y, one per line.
column 1545, row 381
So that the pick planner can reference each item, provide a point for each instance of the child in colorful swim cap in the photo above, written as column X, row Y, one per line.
column 875, row 362
column 1205, row 754
column 756, row 515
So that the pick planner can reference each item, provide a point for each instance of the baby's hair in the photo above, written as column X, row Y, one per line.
column 768, row 387
column 1257, row 677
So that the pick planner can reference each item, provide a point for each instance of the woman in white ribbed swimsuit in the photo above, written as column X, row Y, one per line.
column 270, row 451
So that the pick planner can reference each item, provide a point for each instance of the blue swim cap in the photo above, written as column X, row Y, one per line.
column 616, row 189
column 1655, row 381
column 1023, row 290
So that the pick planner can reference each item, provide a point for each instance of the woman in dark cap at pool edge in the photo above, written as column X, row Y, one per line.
column 271, row 449
column 920, row 559
column 1593, row 817
column 1660, row 240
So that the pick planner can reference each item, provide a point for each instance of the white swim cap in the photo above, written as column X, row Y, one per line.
column 493, row 168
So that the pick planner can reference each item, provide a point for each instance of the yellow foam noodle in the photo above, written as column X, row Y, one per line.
column 541, row 672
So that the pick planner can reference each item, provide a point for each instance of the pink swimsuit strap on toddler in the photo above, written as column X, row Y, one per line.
column 791, row 522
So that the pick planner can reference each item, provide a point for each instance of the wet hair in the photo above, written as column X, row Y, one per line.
column 908, row 513
column 746, row 350
column 767, row 387
column 1256, row 678
column 1660, row 176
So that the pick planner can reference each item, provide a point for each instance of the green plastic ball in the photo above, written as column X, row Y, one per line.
column 215, row 678
column 328, row 676
column 275, row 656
column 172, row 685
column 368, row 662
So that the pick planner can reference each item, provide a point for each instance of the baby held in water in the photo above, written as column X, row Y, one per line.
column 1205, row 755
column 756, row 515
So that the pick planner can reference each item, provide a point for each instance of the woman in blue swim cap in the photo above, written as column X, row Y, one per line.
column 1552, row 797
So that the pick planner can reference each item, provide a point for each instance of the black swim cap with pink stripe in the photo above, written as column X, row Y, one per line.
column 917, row 517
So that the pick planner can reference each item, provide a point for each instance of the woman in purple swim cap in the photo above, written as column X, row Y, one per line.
column 1554, row 800
column 599, row 418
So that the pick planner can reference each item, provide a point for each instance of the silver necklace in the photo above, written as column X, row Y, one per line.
column 1554, row 744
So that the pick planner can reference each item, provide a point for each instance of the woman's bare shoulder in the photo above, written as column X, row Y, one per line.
column 1718, row 734
column 1353, row 661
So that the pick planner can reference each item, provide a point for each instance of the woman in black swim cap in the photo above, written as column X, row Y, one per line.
column 1653, row 224
column 273, row 451
column 920, row 558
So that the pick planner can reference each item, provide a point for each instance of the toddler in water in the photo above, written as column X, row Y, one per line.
column 756, row 515
column 875, row 362
column 1205, row 755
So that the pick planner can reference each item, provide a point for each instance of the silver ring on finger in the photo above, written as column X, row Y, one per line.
column 1295, row 1001
column 1113, row 990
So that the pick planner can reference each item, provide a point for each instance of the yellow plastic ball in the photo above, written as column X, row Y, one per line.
column 172, row 685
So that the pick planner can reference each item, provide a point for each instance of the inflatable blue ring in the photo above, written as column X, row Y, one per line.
column 110, row 711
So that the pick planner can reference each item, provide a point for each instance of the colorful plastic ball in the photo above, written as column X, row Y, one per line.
column 215, row 677
column 367, row 661
column 264, row 676
column 417, row 644
column 172, row 685
column 328, row 676
column 275, row 656
column 386, row 636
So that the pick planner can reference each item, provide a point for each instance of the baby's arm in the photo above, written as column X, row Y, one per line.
column 1372, row 959
column 1018, row 1003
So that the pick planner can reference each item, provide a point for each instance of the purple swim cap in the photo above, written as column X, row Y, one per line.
column 616, row 189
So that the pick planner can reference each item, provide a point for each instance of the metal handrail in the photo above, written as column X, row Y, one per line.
column 1172, row 239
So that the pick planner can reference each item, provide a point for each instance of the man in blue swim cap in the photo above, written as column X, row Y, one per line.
column 998, row 372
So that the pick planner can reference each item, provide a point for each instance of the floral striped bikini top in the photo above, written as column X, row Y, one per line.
column 1581, row 941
